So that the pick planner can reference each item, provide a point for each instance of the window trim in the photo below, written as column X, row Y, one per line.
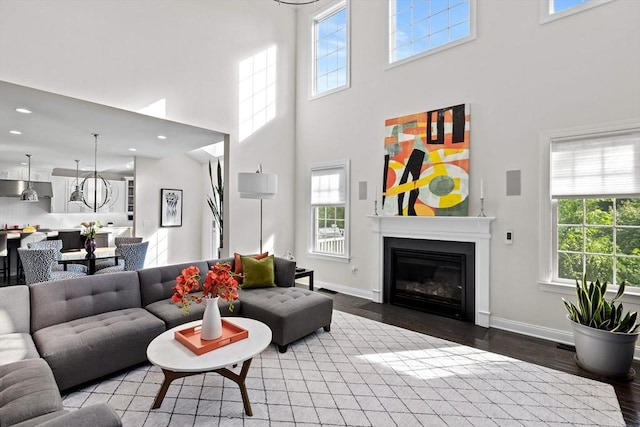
column 545, row 10
column 450, row 45
column 547, row 215
column 329, row 10
column 345, row 163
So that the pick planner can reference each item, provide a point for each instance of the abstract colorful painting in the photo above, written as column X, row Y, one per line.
column 426, row 163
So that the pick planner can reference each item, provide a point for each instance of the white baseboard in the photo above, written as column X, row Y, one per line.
column 542, row 332
column 347, row 290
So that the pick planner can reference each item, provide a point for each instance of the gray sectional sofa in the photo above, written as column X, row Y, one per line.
column 88, row 327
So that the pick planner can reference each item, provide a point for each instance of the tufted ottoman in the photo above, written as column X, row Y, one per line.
column 291, row 313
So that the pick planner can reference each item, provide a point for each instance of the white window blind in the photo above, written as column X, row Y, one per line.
column 596, row 165
column 328, row 186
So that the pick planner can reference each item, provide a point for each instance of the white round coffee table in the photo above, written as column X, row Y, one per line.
column 177, row 361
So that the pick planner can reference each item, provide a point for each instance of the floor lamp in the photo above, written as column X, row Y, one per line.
column 257, row 185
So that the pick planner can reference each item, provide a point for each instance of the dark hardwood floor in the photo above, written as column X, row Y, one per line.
column 534, row 350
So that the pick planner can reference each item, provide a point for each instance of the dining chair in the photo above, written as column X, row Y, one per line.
column 57, row 245
column 106, row 263
column 25, row 240
column 71, row 240
column 133, row 255
column 4, row 254
column 38, row 266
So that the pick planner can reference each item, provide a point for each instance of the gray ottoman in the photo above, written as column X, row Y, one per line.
column 291, row 313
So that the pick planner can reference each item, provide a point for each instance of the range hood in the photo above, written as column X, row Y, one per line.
column 13, row 188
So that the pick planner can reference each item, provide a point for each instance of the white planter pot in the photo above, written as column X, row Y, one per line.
column 604, row 352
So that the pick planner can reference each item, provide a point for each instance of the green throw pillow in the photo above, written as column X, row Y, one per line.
column 258, row 273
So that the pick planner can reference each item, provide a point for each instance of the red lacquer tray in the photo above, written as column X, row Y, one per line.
column 190, row 337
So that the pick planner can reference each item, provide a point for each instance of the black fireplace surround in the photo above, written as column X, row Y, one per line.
column 434, row 276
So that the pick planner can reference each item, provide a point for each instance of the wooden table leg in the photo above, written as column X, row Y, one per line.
column 169, row 376
column 239, row 379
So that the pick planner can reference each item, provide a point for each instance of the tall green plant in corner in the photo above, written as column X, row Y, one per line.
column 216, row 202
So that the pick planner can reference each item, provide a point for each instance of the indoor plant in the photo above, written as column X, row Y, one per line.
column 219, row 283
column 215, row 203
column 604, row 336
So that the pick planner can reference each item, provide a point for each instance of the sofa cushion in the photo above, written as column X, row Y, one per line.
column 61, row 301
column 93, row 346
column 27, row 390
column 17, row 346
column 258, row 273
column 99, row 415
column 156, row 282
column 172, row 316
column 290, row 313
column 238, row 267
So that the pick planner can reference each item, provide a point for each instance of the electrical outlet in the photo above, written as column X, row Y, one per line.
column 354, row 269
column 509, row 237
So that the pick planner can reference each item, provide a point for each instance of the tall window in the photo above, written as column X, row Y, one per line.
column 418, row 27
column 554, row 9
column 330, row 49
column 329, row 209
column 595, row 187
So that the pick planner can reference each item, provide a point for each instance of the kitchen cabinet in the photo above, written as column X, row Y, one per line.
column 130, row 198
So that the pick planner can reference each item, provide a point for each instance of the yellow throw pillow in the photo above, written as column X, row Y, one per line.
column 258, row 273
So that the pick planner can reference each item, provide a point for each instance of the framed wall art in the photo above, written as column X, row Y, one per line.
column 170, row 207
column 426, row 163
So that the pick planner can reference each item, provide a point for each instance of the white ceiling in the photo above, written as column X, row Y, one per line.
column 59, row 129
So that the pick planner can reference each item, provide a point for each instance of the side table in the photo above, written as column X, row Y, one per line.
column 305, row 273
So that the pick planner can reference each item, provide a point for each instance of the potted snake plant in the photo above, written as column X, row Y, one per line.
column 604, row 335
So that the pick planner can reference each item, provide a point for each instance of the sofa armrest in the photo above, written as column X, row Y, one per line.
column 285, row 272
column 99, row 415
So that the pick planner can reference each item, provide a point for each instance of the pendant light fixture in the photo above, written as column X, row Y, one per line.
column 29, row 194
column 76, row 196
column 106, row 192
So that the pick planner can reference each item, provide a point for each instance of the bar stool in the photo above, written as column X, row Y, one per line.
column 4, row 254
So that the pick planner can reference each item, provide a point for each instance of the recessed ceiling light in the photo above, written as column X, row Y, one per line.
column 133, row 149
column 15, row 132
column 23, row 163
column 162, row 137
column 23, row 110
column 129, row 166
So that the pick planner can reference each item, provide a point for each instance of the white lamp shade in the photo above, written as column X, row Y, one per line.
column 257, row 185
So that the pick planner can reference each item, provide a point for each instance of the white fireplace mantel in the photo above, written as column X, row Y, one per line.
column 450, row 228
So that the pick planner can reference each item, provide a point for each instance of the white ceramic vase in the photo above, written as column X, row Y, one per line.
column 211, row 321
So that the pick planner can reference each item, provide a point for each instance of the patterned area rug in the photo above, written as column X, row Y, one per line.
column 365, row 373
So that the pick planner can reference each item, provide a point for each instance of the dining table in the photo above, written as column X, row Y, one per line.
column 80, row 257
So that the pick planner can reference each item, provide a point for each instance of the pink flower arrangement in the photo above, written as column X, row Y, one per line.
column 219, row 282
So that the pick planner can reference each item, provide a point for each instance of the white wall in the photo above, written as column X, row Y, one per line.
column 168, row 244
column 131, row 54
column 520, row 77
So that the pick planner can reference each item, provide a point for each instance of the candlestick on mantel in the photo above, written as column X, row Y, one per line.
column 482, row 188
column 375, row 202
